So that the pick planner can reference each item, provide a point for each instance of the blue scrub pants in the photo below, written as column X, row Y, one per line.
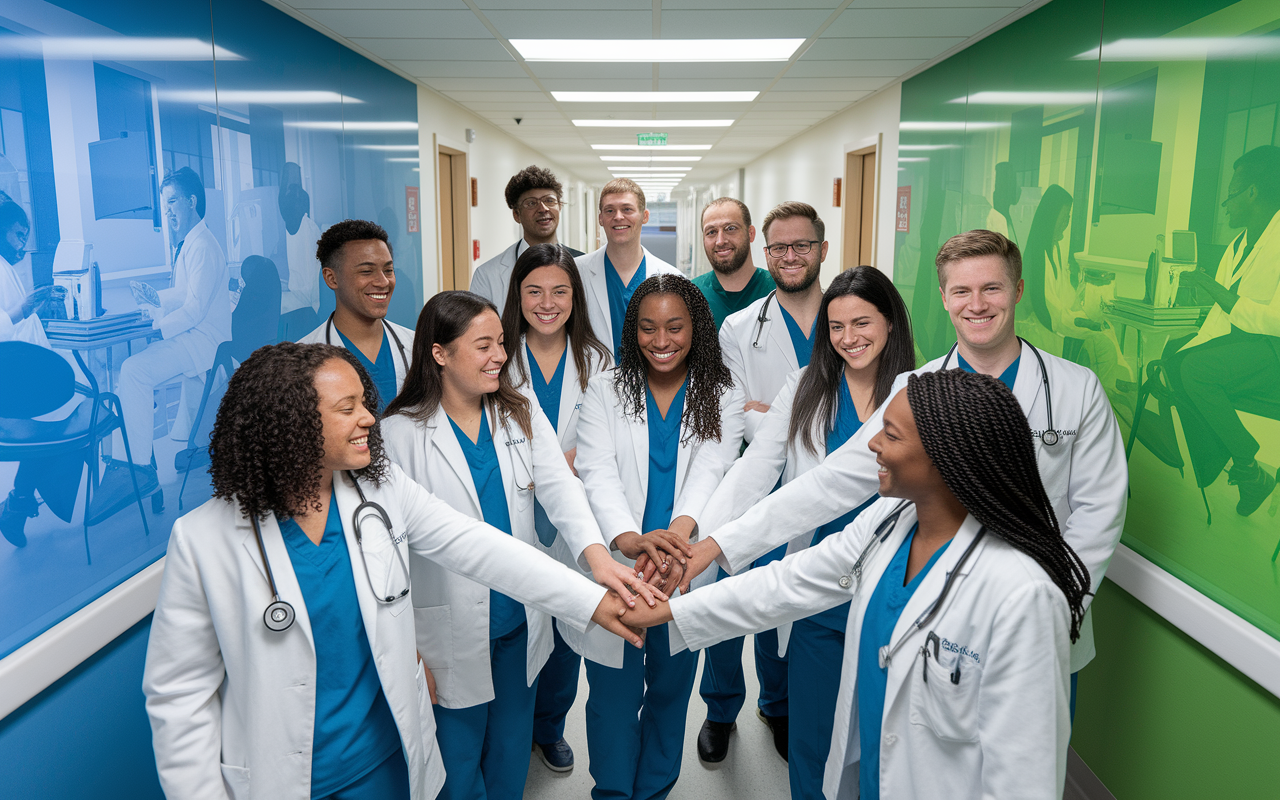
column 815, row 654
column 557, row 689
column 485, row 748
column 636, row 719
column 387, row 781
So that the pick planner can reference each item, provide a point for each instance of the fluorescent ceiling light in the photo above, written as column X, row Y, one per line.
column 951, row 126
column 647, row 159
column 649, row 50
column 264, row 96
column 350, row 127
column 922, row 158
column 621, row 168
column 650, row 124
column 403, row 148
column 650, row 147
column 121, row 48
column 655, row 97
column 644, row 176
column 1028, row 98
column 1223, row 48
column 406, row 160
column 928, row 147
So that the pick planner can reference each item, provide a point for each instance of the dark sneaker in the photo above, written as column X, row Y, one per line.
column 713, row 741
column 14, row 515
column 115, row 492
column 779, row 727
column 1255, row 483
column 558, row 756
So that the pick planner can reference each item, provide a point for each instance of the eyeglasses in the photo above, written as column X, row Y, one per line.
column 532, row 203
column 799, row 248
column 1234, row 195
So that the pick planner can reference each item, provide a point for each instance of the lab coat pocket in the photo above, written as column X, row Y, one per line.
column 434, row 632
column 946, row 701
column 236, row 780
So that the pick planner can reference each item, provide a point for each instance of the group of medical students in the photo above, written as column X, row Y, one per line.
column 611, row 463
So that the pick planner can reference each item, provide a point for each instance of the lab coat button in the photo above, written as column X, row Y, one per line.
column 845, row 582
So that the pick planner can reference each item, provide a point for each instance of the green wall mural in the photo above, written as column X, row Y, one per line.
column 1131, row 153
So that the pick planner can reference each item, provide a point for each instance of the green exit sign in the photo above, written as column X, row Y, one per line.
column 651, row 139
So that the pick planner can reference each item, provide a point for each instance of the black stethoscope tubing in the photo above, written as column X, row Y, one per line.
column 762, row 318
column 328, row 339
column 1050, row 436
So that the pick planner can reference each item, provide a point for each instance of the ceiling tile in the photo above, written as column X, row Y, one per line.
column 778, row 24
column 375, row 24
column 745, row 5
column 557, row 5
column 766, row 70
column 462, row 69
column 557, row 69
column 807, row 68
column 486, row 49
column 507, row 97
column 713, row 85
column 913, row 21
column 550, row 24
column 862, row 47
column 481, row 84
column 937, row 3
column 307, row 6
column 598, row 85
column 818, row 96
column 790, row 84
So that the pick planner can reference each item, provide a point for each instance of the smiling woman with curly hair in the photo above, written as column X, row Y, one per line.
column 281, row 662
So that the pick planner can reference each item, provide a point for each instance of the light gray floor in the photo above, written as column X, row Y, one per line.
column 753, row 768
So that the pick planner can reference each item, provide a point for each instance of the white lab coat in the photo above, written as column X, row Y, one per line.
column 12, row 295
column 1257, row 310
column 1085, row 476
column 759, row 354
column 613, row 462
column 1001, row 732
column 452, row 611
column 403, row 357
column 304, row 268
column 195, row 313
column 232, row 704
column 490, row 280
column 594, row 280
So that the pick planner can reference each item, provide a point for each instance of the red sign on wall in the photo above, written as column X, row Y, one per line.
column 903, row 210
column 411, row 207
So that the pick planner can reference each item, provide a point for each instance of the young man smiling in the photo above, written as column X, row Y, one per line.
column 734, row 282
column 612, row 273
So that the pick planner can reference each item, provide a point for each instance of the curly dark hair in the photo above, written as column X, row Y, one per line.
column 349, row 230
column 529, row 178
column 976, row 434
column 709, row 378
column 268, row 440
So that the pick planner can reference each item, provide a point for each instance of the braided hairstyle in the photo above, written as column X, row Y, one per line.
column 975, row 433
column 709, row 378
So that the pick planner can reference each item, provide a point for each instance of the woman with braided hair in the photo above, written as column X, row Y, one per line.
column 655, row 436
column 964, row 601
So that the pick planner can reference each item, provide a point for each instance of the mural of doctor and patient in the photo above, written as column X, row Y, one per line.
column 154, row 224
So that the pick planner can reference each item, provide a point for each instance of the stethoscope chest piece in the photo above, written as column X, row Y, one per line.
column 1049, row 437
column 279, row 616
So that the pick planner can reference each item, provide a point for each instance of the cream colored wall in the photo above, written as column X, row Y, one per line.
column 804, row 167
column 492, row 158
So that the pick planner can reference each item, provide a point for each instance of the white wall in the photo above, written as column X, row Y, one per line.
column 804, row 167
column 492, row 158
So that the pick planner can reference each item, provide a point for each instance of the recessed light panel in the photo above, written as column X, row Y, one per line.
column 651, row 50
column 655, row 97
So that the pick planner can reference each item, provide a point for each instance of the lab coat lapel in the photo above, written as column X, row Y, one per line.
column 444, row 440
column 570, row 398
column 1028, row 385
column 373, row 560
column 779, row 337
column 281, row 567
column 596, row 284
column 640, row 447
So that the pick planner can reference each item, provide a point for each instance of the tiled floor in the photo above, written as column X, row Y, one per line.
column 752, row 770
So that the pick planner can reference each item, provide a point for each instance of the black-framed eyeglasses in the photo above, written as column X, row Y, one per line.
column 532, row 203
column 1234, row 195
column 799, row 248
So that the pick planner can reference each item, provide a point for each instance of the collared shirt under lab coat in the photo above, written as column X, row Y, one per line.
column 594, row 280
column 1085, row 475
column 1001, row 732
column 1259, row 275
column 196, row 311
column 613, row 462
column 452, row 611
column 232, row 704
column 760, row 370
column 406, row 338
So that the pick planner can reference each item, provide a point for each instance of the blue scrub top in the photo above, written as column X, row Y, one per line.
column 382, row 371
column 505, row 614
column 1007, row 377
column 354, row 729
column 664, row 452
column 803, row 345
column 846, row 425
column 883, row 610
column 620, row 298
column 548, row 394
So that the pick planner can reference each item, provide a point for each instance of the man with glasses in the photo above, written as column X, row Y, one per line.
column 535, row 198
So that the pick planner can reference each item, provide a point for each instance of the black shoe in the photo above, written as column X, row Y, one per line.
column 713, row 741
column 1256, row 485
column 779, row 727
column 558, row 756
column 14, row 515
column 115, row 492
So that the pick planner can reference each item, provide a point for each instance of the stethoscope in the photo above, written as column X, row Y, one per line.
column 762, row 318
column 882, row 533
column 279, row 615
column 328, row 338
column 1050, row 436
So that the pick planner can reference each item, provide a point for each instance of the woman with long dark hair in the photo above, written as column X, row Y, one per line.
column 963, row 595
column 655, row 436
column 553, row 353
column 462, row 430
column 281, row 662
column 851, row 372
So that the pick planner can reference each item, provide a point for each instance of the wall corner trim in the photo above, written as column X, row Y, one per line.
column 39, row 663
column 1250, row 650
